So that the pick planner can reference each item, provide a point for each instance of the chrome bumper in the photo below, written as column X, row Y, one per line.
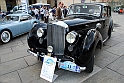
column 59, row 62
column 34, row 54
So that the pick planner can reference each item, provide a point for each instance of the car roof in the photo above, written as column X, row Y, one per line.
column 40, row 4
column 17, row 14
column 99, row 3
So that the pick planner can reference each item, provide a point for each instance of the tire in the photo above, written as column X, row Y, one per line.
column 109, row 33
column 90, row 65
column 5, row 36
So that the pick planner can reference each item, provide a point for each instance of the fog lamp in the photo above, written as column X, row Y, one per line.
column 50, row 49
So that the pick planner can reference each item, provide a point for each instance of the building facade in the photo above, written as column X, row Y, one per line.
column 6, row 5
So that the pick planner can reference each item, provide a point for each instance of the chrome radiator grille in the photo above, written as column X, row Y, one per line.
column 56, row 38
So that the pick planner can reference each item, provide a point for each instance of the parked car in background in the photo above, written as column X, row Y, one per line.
column 16, row 9
column 116, row 8
column 14, row 25
column 120, row 10
column 39, row 5
column 74, row 39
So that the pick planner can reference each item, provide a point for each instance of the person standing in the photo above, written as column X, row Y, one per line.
column 42, row 13
column 36, row 12
column 53, row 11
column 46, row 15
column 65, row 11
column 59, row 11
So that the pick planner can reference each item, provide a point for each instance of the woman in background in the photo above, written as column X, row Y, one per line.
column 46, row 15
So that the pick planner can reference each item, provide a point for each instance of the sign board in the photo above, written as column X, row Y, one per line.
column 48, row 68
column 24, row 4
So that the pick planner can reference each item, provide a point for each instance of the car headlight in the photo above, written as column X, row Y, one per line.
column 71, row 37
column 50, row 49
column 40, row 32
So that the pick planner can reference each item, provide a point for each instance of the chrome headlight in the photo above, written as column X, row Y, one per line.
column 71, row 37
column 40, row 32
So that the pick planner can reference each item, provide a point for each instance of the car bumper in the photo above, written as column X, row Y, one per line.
column 66, row 62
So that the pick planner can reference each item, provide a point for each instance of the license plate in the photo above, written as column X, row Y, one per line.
column 70, row 66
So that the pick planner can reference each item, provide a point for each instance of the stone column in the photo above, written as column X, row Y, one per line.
column 18, row 2
column 52, row 3
column 3, row 5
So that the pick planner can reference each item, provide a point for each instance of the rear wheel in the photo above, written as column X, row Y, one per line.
column 5, row 36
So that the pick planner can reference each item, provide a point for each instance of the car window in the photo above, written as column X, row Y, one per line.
column 25, row 18
column 105, row 12
column 29, row 17
column 85, row 9
column 78, row 9
column 11, row 18
column 109, row 11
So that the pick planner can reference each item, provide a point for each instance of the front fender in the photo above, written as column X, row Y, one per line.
column 89, row 39
column 89, row 45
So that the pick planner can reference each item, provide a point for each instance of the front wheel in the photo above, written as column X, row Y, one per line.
column 5, row 36
column 90, row 65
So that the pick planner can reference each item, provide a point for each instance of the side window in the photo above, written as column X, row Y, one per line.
column 78, row 9
column 105, row 12
column 109, row 11
column 15, row 18
column 25, row 18
column 29, row 17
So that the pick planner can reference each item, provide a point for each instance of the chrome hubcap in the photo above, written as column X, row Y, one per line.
column 5, row 36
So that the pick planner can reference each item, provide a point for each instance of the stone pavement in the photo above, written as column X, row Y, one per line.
column 17, row 66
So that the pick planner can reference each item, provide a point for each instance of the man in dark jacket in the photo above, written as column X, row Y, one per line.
column 59, row 13
column 65, row 11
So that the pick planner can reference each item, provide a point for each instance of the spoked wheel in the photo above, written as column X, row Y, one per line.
column 5, row 36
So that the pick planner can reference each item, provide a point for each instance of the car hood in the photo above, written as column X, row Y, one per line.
column 76, row 21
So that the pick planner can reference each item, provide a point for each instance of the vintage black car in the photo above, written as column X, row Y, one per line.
column 75, row 37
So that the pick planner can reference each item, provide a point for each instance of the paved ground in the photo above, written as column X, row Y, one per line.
column 17, row 66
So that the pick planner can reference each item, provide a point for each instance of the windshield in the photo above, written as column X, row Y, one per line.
column 85, row 9
column 11, row 18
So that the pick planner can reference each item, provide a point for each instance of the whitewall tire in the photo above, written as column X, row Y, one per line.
column 5, row 36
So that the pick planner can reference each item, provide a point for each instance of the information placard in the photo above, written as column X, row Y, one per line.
column 48, row 68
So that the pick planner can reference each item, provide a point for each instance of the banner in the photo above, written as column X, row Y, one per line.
column 24, row 4
column 82, row 1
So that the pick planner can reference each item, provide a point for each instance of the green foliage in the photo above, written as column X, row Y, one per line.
column 122, row 6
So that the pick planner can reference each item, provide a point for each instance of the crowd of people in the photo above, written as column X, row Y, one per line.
column 45, row 14
column 2, row 14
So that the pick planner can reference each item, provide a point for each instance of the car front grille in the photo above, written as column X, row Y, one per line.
column 56, row 38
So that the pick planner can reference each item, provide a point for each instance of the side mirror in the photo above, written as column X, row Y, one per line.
column 98, row 26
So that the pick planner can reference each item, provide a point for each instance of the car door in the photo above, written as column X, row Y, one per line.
column 25, row 23
column 105, row 22
column 13, row 24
